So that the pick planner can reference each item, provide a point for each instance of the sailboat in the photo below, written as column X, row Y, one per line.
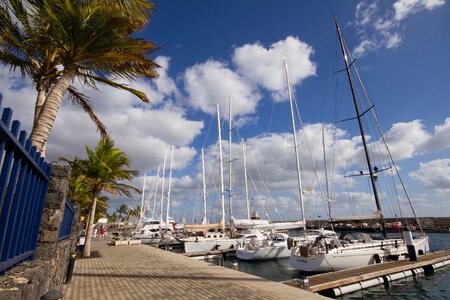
column 214, row 238
column 273, row 245
column 357, row 249
column 152, row 229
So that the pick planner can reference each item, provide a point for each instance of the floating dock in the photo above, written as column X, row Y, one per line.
column 334, row 284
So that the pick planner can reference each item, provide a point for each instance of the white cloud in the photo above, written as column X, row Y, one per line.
column 365, row 12
column 380, row 28
column 434, row 175
column 211, row 83
column 164, row 86
column 406, row 140
column 403, row 8
column 441, row 138
column 363, row 47
column 143, row 131
column 19, row 94
column 265, row 66
column 393, row 40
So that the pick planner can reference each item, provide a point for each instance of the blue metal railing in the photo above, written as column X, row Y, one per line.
column 24, row 177
column 66, row 222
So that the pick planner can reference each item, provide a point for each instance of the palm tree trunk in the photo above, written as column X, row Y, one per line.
column 90, row 229
column 39, row 101
column 47, row 115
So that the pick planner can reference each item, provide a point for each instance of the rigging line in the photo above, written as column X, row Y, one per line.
column 333, row 165
column 259, row 197
column 350, row 196
column 271, row 118
column 396, row 194
column 148, row 199
column 390, row 156
column 213, row 116
column 266, row 188
column 254, row 186
column 310, row 156
column 196, row 203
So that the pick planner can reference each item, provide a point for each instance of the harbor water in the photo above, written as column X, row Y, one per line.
column 429, row 286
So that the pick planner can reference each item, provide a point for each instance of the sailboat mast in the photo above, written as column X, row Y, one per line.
column 326, row 173
column 170, row 187
column 156, row 192
column 222, row 193
column 205, row 220
column 162, row 192
column 230, row 161
column 141, row 212
column 294, row 132
column 247, row 204
column 326, row 176
column 361, row 129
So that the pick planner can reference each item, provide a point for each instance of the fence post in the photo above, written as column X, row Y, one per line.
column 48, row 249
column 53, row 212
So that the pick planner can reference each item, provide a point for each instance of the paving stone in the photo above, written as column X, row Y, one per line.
column 144, row 272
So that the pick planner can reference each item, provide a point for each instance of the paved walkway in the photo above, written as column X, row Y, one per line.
column 144, row 272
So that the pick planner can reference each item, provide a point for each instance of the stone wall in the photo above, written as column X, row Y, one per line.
column 33, row 279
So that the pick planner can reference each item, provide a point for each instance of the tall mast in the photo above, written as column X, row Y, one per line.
column 205, row 220
column 170, row 186
column 162, row 192
column 361, row 129
column 156, row 192
column 294, row 132
column 247, row 204
column 222, row 193
column 230, row 171
column 326, row 176
column 142, row 204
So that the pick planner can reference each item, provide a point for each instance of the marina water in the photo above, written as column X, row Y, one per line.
column 430, row 286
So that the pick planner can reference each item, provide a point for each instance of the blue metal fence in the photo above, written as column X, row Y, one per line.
column 24, row 177
column 66, row 223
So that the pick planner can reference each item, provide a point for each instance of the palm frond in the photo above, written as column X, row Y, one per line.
column 83, row 101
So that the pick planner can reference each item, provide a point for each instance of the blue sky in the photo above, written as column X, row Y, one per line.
column 210, row 49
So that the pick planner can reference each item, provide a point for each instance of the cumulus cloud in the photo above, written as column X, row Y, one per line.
column 144, row 131
column 256, row 69
column 272, row 173
column 164, row 87
column 212, row 82
column 403, row 8
column 410, row 139
column 435, row 175
column 265, row 66
column 379, row 27
column 19, row 94
column 407, row 139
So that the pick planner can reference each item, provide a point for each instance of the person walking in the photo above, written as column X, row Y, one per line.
column 102, row 232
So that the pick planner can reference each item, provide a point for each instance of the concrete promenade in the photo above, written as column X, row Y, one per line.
column 144, row 272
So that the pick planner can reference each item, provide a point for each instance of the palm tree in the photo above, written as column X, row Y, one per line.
column 54, row 42
column 134, row 212
column 112, row 218
column 79, row 191
column 105, row 169
column 122, row 211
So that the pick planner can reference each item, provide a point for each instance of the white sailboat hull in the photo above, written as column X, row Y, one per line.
column 356, row 255
column 208, row 244
column 264, row 253
column 266, row 249
column 145, row 239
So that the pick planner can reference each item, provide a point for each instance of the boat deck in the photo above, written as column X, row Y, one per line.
column 326, row 281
